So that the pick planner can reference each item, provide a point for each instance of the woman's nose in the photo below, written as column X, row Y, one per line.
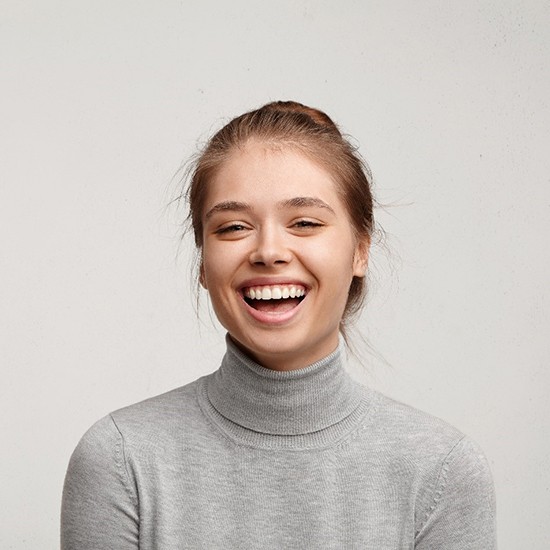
column 270, row 248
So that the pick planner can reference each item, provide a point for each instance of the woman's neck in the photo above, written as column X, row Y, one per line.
column 279, row 360
column 289, row 402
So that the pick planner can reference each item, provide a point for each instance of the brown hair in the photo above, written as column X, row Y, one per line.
column 313, row 133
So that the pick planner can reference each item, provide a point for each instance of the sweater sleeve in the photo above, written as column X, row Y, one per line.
column 462, row 514
column 99, row 508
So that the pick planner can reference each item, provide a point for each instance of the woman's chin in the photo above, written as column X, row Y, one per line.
column 278, row 351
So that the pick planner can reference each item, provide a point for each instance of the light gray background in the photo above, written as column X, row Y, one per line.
column 101, row 101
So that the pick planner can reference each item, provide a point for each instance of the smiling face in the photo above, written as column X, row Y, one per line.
column 279, row 255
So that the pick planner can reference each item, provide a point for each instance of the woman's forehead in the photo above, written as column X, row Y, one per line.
column 259, row 167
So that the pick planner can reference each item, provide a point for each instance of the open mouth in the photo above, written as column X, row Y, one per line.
column 274, row 298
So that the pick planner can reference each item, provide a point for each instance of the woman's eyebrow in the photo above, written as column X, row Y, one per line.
column 224, row 206
column 294, row 202
column 300, row 202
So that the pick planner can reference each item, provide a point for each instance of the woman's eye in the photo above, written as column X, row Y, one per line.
column 307, row 224
column 234, row 228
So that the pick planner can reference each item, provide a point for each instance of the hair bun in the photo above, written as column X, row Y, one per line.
column 315, row 115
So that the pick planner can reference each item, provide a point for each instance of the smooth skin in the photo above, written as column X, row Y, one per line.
column 274, row 217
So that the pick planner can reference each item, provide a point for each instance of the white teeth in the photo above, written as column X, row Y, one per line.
column 274, row 292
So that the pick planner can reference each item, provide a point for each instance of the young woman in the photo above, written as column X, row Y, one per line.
column 278, row 448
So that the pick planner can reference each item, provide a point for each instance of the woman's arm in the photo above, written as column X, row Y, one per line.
column 462, row 514
column 100, row 508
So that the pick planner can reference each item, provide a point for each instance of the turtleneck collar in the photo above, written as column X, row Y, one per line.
column 283, row 403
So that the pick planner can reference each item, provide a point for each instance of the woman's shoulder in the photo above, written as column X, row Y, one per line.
column 419, row 437
column 172, row 406
column 101, row 481
column 402, row 423
column 445, row 468
column 148, row 422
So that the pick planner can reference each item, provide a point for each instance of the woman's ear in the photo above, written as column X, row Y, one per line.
column 202, row 279
column 361, row 257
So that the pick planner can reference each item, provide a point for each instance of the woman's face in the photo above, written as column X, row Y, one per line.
column 279, row 255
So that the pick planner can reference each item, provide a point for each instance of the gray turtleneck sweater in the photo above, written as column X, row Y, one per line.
column 250, row 458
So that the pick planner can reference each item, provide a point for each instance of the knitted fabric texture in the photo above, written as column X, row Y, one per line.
column 250, row 458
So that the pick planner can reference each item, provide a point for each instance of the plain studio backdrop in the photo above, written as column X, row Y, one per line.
column 102, row 101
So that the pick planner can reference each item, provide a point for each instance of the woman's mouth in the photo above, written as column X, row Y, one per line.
column 274, row 298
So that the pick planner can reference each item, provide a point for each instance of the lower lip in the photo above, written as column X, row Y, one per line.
column 272, row 318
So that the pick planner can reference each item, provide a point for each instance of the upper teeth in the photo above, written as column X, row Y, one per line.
column 274, row 292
